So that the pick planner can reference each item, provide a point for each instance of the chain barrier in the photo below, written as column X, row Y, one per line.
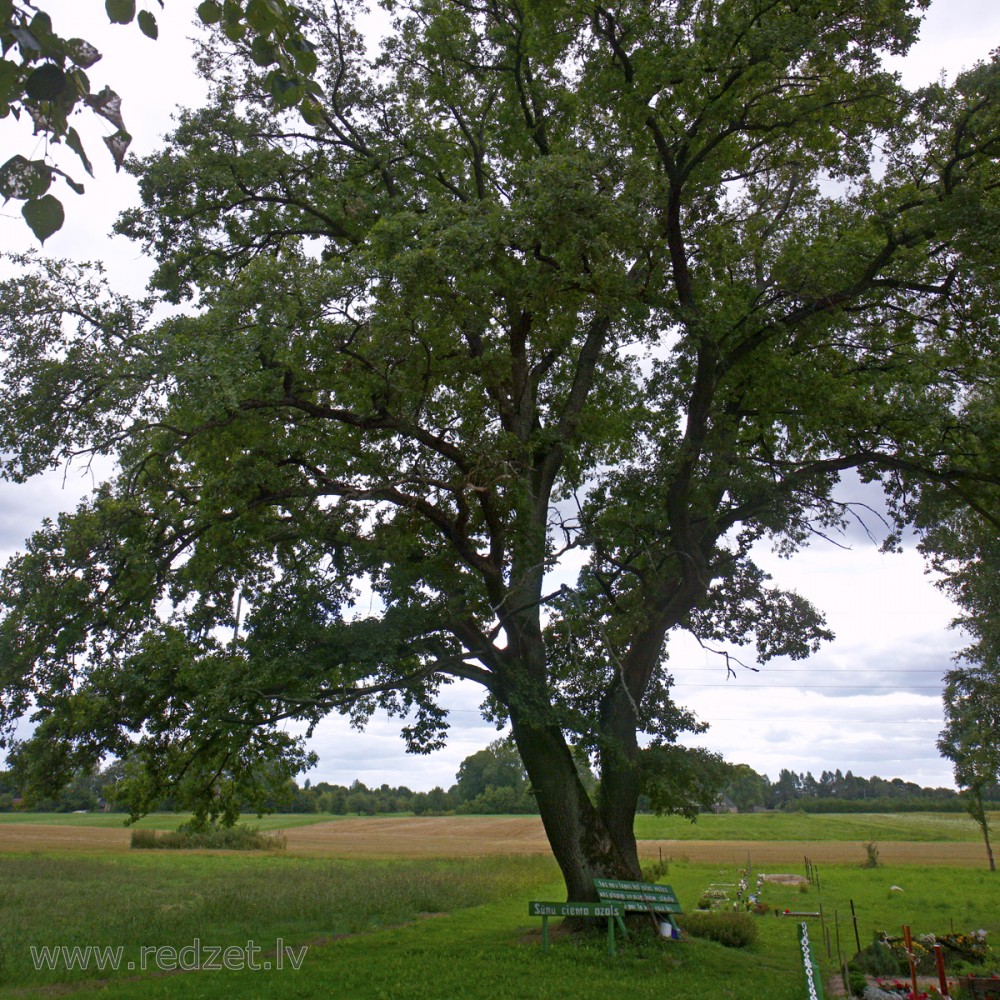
column 813, row 982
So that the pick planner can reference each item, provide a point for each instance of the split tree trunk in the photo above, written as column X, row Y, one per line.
column 583, row 846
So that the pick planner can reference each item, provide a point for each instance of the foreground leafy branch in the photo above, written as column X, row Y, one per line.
column 43, row 76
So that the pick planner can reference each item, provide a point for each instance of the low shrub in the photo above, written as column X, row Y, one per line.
column 879, row 959
column 734, row 930
column 656, row 870
column 712, row 899
column 871, row 856
column 143, row 840
column 233, row 838
column 857, row 982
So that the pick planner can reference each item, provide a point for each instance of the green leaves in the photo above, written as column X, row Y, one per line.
column 120, row 11
column 23, row 179
column 48, row 80
column 147, row 24
column 82, row 53
column 265, row 16
column 45, row 83
column 43, row 74
column 275, row 40
column 682, row 780
column 210, row 12
column 74, row 143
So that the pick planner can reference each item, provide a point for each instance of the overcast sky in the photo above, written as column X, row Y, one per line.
column 869, row 702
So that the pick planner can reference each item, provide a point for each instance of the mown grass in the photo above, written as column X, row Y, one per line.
column 161, row 821
column 479, row 945
column 479, row 950
column 920, row 827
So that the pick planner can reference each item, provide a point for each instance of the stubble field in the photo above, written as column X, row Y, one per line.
column 473, row 836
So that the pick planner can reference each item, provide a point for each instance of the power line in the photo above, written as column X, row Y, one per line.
column 813, row 670
column 818, row 687
column 783, row 722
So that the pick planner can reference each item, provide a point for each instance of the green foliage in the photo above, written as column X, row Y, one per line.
column 498, row 766
column 494, row 781
column 682, row 780
column 734, row 930
column 857, row 982
column 871, row 855
column 746, row 788
column 43, row 77
column 436, row 802
column 971, row 737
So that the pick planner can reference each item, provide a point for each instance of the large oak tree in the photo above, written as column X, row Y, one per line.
column 623, row 286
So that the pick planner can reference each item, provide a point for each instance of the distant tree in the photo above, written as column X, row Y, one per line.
column 498, row 766
column 331, row 799
column 746, row 788
column 971, row 738
column 787, row 788
column 683, row 781
column 251, row 783
column 297, row 800
column 436, row 802
column 361, row 802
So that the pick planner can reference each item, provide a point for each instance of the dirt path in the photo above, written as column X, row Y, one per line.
column 472, row 836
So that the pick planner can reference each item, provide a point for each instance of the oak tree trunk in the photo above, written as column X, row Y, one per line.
column 583, row 846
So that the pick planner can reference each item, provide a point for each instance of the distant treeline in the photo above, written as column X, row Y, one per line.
column 835, row 791
column 493, row 781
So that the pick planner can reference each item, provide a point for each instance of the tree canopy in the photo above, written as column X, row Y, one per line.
column 624, row 287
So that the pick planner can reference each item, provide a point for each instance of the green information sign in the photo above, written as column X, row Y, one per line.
column 638, row 896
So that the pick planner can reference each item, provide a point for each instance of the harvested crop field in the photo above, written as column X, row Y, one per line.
column 471, row 836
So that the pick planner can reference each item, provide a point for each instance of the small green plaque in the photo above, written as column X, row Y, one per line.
column 575, row 909
column 612, row 912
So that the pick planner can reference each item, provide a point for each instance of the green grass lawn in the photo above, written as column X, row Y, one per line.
column 161, row 821
column 435, row 930
column 428, row 930
column 920, row 827
column 813, row 826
